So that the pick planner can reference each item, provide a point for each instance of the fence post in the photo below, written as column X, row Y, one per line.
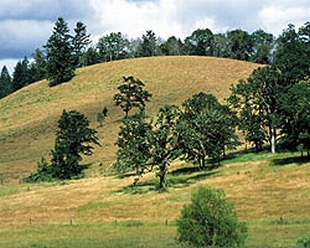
column 30, row 221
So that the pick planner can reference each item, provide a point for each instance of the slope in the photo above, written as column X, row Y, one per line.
column 29, row 116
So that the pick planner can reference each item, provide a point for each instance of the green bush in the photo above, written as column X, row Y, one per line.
column 210, row 221
column 303, row 243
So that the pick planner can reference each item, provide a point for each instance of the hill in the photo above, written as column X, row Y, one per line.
column 29, row 116
column 270, row 192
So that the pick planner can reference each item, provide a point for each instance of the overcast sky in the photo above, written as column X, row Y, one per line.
column 27, row 24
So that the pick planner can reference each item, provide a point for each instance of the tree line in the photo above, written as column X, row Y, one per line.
column 64, row 51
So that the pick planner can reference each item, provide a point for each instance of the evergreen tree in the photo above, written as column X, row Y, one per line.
column 240, row 44
column 148, row 46
column 74, row 138
column 80, row 42
column 262, row 46
column 22, row 75
column 60, row 61
column 5, row 82
column 38, row 67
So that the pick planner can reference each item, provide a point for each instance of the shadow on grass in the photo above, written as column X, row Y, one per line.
column 179, row 178
column 290, row 160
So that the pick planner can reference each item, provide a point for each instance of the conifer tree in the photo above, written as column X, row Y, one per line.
column 60, row 63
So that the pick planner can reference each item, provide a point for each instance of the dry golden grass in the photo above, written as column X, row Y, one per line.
column 29, row 116
column 261, row 191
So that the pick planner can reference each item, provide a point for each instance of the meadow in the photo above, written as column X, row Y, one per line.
column 270, row 192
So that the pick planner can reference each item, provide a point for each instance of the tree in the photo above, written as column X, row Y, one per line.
column 210, row 221
column 80, row 42
column 148, row 46
column 60, row 62
column 200, row 42
column 292, row 54
column 38, row 66
column 262, row 46
column 113, row 47
column 133, row 144
column 91, row 56
column 172, row 46
column 206, row 128
column 74, row 138
column 131, row 94
column 164, row 142
column 255, row 99
column 221, row 46
column 21, row 75
column 295, row 118
column 5, row 82
column 240, row 43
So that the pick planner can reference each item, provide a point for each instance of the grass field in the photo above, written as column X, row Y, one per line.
column 271, row 192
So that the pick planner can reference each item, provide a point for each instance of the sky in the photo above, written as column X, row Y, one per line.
column 27, row 24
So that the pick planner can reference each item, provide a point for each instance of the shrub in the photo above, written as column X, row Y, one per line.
column 210, row 221
column 303, row 243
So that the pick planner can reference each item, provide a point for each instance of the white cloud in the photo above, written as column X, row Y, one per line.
column 276, row 18
column 134, row 18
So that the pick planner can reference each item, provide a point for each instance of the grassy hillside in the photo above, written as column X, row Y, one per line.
column 29, row 116
column 271, row 192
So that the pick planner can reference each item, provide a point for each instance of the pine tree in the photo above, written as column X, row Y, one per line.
column 80, row 43
column 60, row 61
column 5, row 82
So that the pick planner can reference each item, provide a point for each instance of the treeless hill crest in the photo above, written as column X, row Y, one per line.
column 29, row 116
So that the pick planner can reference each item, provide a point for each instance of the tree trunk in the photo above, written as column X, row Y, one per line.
column 272, row 139
column 162, row 176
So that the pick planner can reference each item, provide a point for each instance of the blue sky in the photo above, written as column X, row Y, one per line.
column 26, row 25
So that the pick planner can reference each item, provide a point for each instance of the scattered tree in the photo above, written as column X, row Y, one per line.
column 134, row 144
column 74, row 138
column 131, row 94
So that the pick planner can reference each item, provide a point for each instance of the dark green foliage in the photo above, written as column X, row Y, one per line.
column 5, row 82
column 74, row 138
column 132, row 94
column 210, row 221
column 112, row 47
column 164, row 142
column 256, row 101
column 303, row 243
column 44, row 173
column 206, row 129
column 200, row 42
column 295, row 118
column 22, row 75
column 172, row 46
column 241, row 45
column 80, row 42
column 102, row 115
column 133, row 144
column 38, row 67
column 60, row 61
column 262, row 46
column 148, row 46
column 292, row 54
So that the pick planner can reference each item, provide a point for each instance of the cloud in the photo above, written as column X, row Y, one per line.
column 275, row 18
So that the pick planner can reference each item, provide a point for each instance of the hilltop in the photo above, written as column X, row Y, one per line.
column 29, row 116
